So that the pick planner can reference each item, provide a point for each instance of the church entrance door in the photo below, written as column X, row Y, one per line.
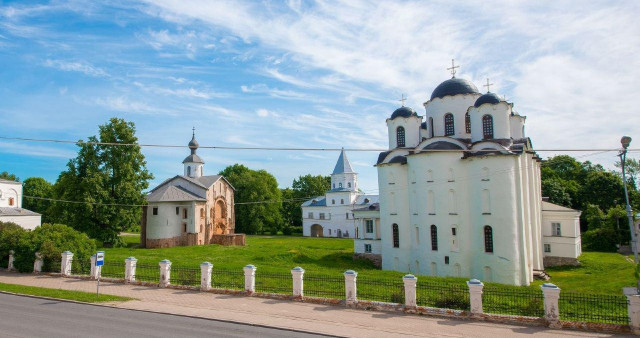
column 317, row 231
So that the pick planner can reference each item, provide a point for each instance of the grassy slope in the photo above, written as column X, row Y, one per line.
column 599, row 273
column 87, row 297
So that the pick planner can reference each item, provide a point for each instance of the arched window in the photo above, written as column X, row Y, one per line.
column 400, row 136
column 342, row 201
column 333, row 201
column 488, row 239
column 201, row 212
column 487, row 127
column 11, row 201
column 334, row 186
column 430, row 127
column 467, row 123
column 339, row 185
column 349, row 184
column 189, row 171
column 434, row 238
column 396, row 236
column 448, row 125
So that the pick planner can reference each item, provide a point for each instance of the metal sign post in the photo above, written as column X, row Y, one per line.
column 99, row 262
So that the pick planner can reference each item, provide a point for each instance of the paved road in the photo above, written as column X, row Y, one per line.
column 33, row 317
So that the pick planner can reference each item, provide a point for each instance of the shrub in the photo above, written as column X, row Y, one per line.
column 397, row 298
column 51, row 240
column 602, row 239
column 10, row 235
column 288, row 230
column 452, row 301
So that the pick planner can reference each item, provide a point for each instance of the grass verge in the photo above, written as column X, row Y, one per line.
column 86, row 297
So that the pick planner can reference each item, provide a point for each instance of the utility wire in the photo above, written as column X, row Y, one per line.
column 288, row 148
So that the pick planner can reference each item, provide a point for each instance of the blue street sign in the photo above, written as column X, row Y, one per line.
column 100, row 258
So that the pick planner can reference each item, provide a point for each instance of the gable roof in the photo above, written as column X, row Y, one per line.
column 11, row 211
column 547, row 206
column 343, row 165
column 172, row 193
column 204, row 182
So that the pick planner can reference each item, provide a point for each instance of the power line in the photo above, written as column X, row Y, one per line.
column 287, row 148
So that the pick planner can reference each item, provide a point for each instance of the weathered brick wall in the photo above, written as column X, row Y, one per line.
column 163, row 242
column 229, row 240
column 376, row 259
column 549, row 261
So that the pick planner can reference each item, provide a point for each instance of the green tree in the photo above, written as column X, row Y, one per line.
column 632, row 170
column 303, row 188
column 37, row 187
column 617, row 220
column 8, row 176
column 555, row 190
column 594, row 217
column 105, row 180
column 260, row 190
column 603, row 189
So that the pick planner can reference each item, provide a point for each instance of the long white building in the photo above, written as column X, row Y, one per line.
column 460, row 193
column 331, row 215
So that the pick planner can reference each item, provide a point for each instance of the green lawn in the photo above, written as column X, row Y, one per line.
column 87, row 297
column 604, row 273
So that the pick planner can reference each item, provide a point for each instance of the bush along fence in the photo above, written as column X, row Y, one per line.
column 492, row 303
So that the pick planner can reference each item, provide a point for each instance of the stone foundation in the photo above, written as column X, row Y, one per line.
column 376, row 259
column 163, row 242
column 549, row 261
column 229, row 240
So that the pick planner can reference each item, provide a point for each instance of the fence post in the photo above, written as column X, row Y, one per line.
column 65, row 263
column 410, row 283
column 350, row 277
column 165, row 273
column 475, row 295
column 250, row 278
column 130, row 269
column 551, row 294
column 205, row 276
column 634, row 313
column 11, row 259
column 95, row 270
column 37, row 264
column 297, row 274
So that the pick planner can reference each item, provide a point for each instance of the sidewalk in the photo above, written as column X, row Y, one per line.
column 325, row 319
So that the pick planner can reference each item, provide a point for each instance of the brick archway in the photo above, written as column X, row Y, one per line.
column 220, row 217
column 317, row 230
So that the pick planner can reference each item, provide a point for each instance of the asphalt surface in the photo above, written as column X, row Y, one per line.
column 35, row 317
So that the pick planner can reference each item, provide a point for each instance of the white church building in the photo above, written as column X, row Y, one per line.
column 331, row 215
column 460, row 194
column 11, row 209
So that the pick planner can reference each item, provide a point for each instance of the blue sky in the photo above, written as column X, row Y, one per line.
column 303, row 74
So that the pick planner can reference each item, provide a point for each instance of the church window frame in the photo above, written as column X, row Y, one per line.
column 488, row 239
column 11, row 201
column 395, row 232
column 339, row 185
column 487, row 127
column 310, row 215
column 154, row 211
column 449, row 125
column 342, row 201
column 430, row 126
column 556, row 229
column 467, row 123
column 189, row 170
column 177, row 210
column 349, row 185
column 185, row 214
column 400, row 136
column 434, row 237
column 547, row 248
column 201, row 212
column 333, row 201
column 367, row 248
column 322, row 216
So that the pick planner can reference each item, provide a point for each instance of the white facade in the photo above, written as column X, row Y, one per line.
column 332, row 215
column 462, row 197
column 367, row 239
column 560, row 231
column 11, row 206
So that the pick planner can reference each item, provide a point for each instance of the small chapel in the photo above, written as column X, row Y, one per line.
column 190, row 209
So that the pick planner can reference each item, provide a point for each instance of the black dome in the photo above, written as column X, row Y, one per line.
column 193, row 144
column 454, row 86
column 487, row 98
column 403, row 112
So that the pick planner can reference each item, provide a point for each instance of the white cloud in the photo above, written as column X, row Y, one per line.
column 76, row 66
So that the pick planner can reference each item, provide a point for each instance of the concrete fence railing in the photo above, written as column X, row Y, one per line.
column 414, row 295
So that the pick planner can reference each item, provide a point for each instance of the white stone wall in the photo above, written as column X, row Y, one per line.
column 348, row 181
column 569, row 243
column 27, row 222
column 517, row 126
column 11, row 190
column 411, row 128
column 457, row 105
column 501, row 124
column 335, row 219
column 376, row 246
column 166, row 224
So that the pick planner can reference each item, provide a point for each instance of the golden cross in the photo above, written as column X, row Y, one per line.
column 453, row 68
column 402, row 99
column 488, row 85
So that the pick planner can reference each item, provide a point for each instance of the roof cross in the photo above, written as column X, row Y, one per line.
column 488, row 85
column 194, row 131
column 453, row 68
column 402, row 99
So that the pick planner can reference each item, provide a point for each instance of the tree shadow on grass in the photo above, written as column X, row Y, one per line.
column 333, row 260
